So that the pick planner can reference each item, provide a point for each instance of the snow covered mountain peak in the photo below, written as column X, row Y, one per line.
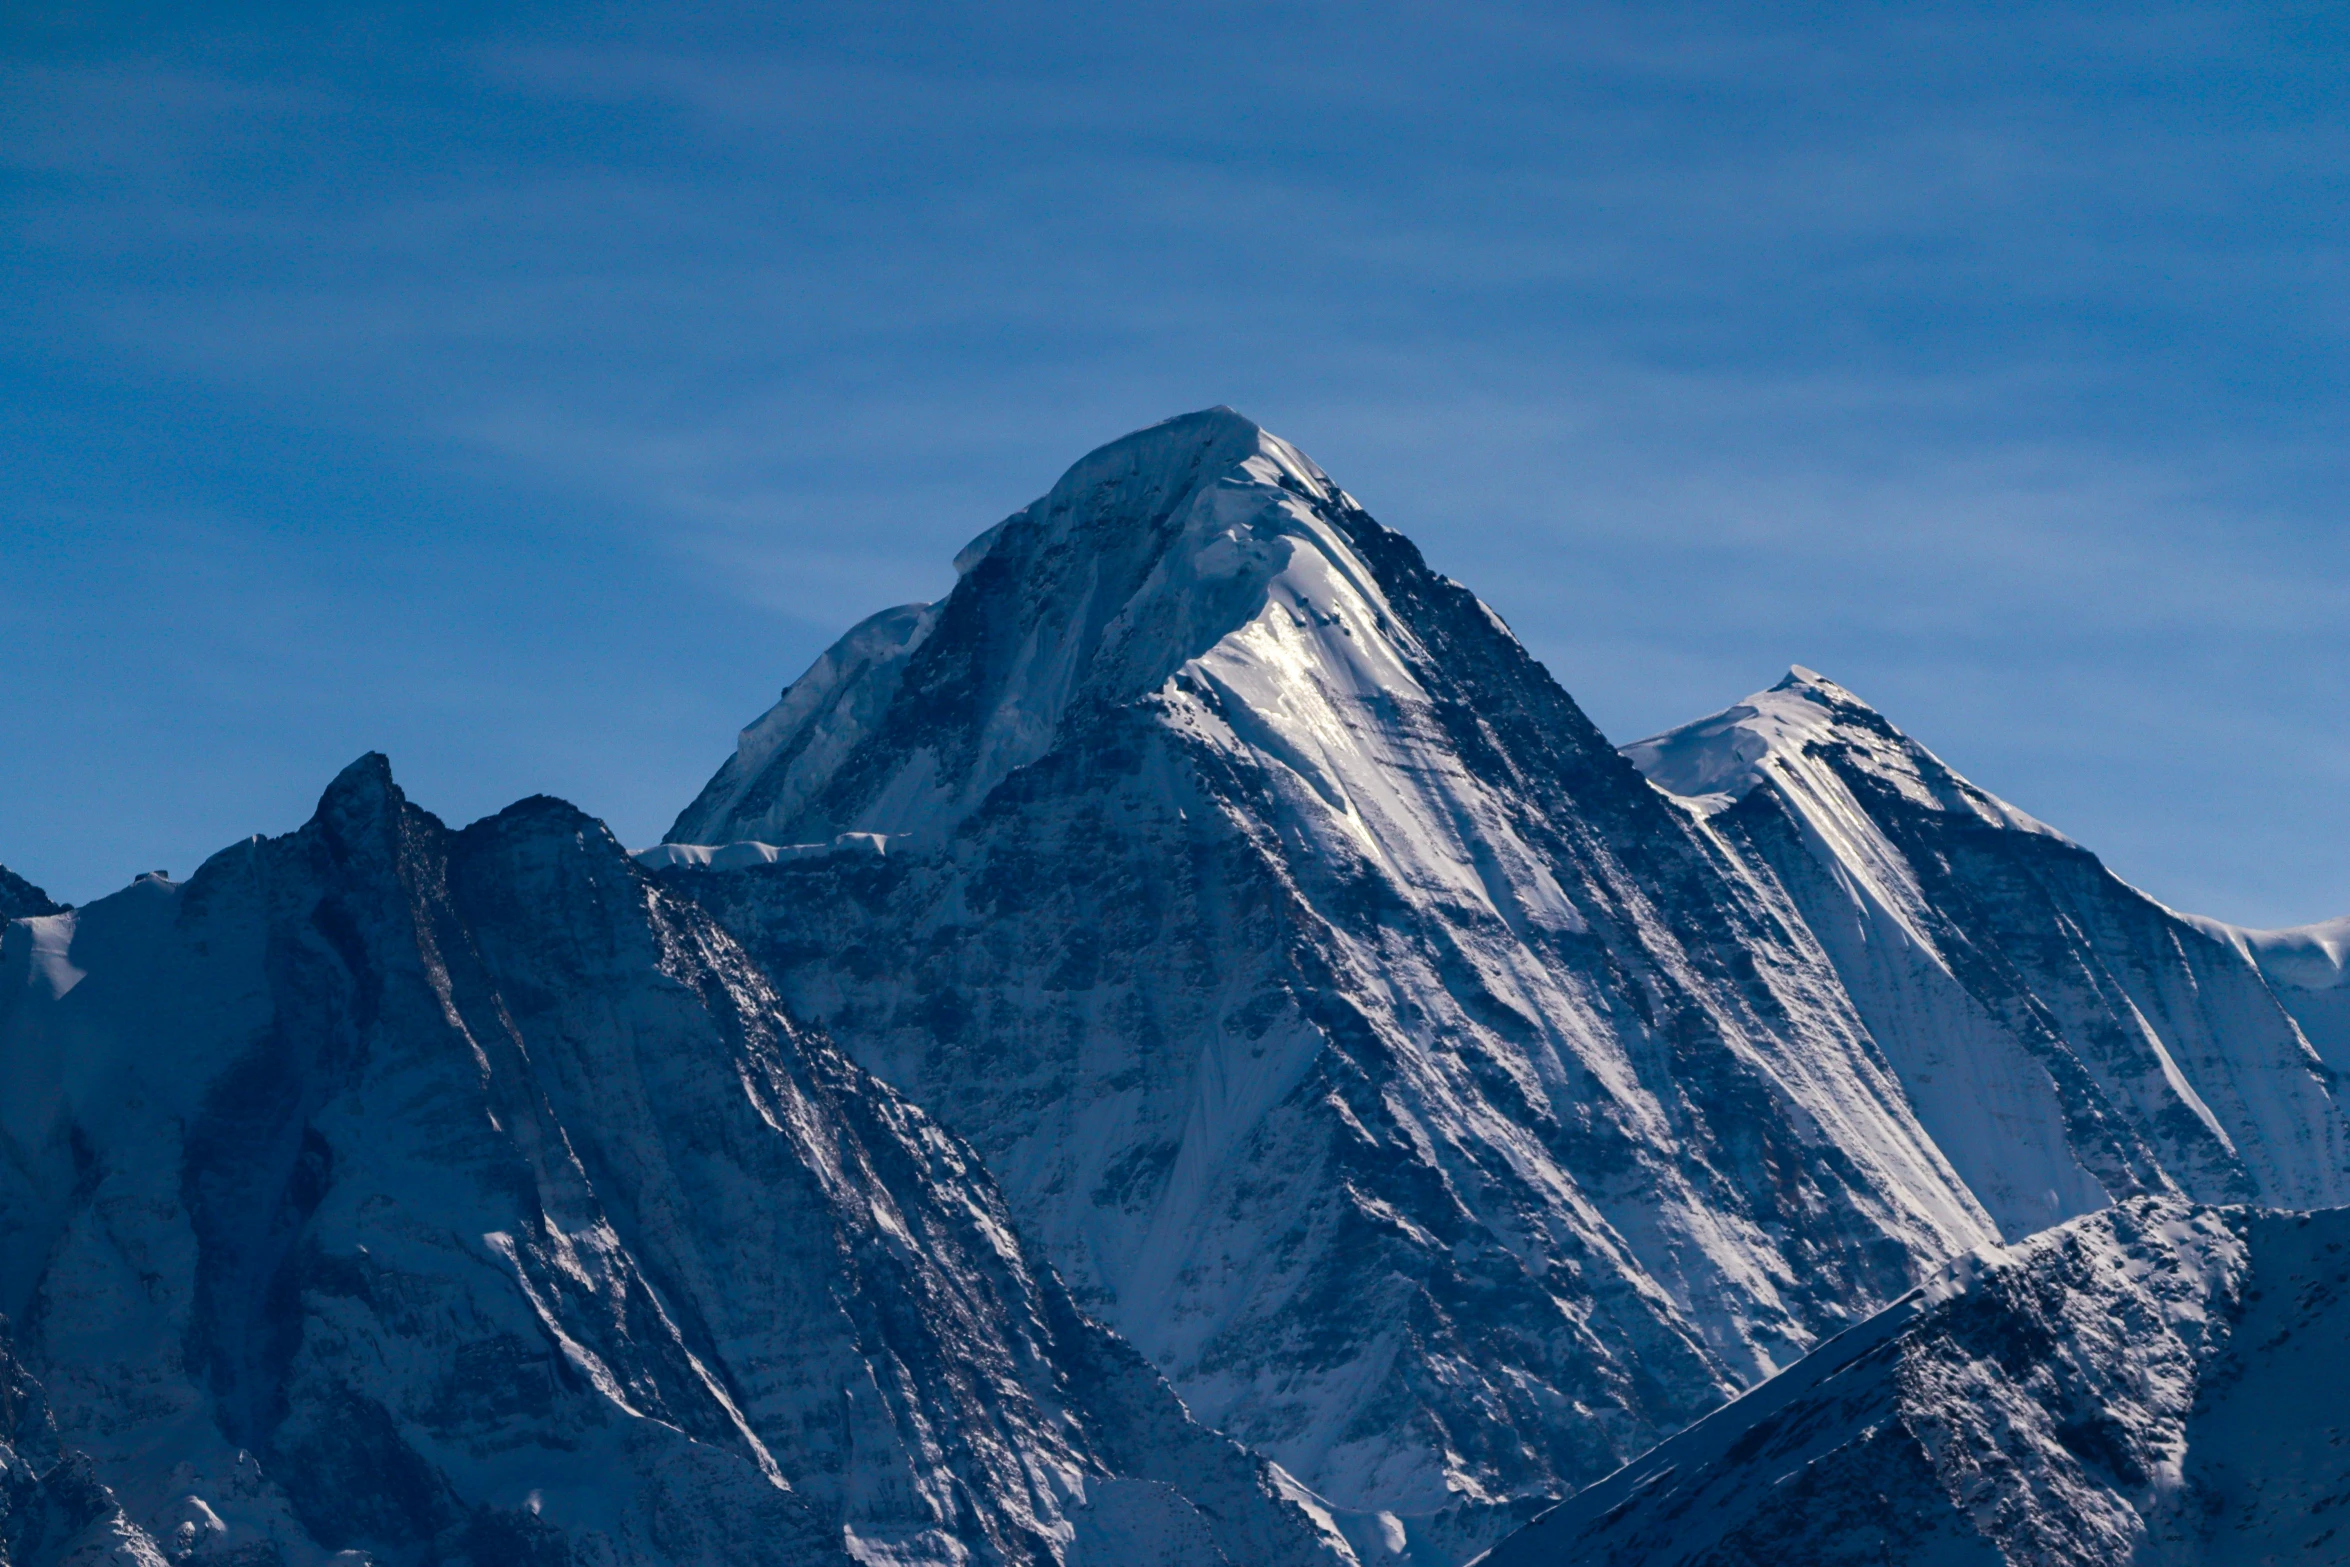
column 1285, row 936
column 1149, row 553
column 1787, row 732
column 1231, row 933
column 1444, row 1107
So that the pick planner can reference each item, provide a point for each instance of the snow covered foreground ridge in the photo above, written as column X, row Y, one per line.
column 1448, row 1111
column 458, row 1197
column 2157, row 1385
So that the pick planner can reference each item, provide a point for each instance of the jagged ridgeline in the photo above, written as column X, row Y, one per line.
column 1190, row 1051
column 1449, row 1110
column 458, row 1197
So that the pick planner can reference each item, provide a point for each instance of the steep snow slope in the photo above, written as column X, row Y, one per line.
column 2064, row 1038
column 2159, row 1384
column 1443, row 1109
column 458, row 1197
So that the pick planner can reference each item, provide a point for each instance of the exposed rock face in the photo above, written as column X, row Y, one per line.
column 1441, row 1107
column 2065, row 1039
column 20, row 899
column 457, row 1197
column 54, row 1510
column 2160, row 1384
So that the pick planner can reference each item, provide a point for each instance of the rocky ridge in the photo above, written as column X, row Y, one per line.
column 20, row 899
column 459, row 1197
column 2156, row 1385
column 54, row 1509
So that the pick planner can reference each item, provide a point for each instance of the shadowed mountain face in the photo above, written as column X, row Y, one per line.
column 458, row 1197
column 2157, row 1385
column 1447, row 1109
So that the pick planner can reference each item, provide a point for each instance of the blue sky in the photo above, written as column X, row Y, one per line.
column 530, row 392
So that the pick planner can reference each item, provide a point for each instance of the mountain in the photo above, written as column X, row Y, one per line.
column 1210, row 922
column 2157, row 1385
column 2065, row 1039
column 1449, row 1107
column 452, row 1197
column 1442, row 1108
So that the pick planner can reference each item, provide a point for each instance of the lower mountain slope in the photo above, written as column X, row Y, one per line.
column 2162, row 1384
column 459, row 1197
column 2065, row 1039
